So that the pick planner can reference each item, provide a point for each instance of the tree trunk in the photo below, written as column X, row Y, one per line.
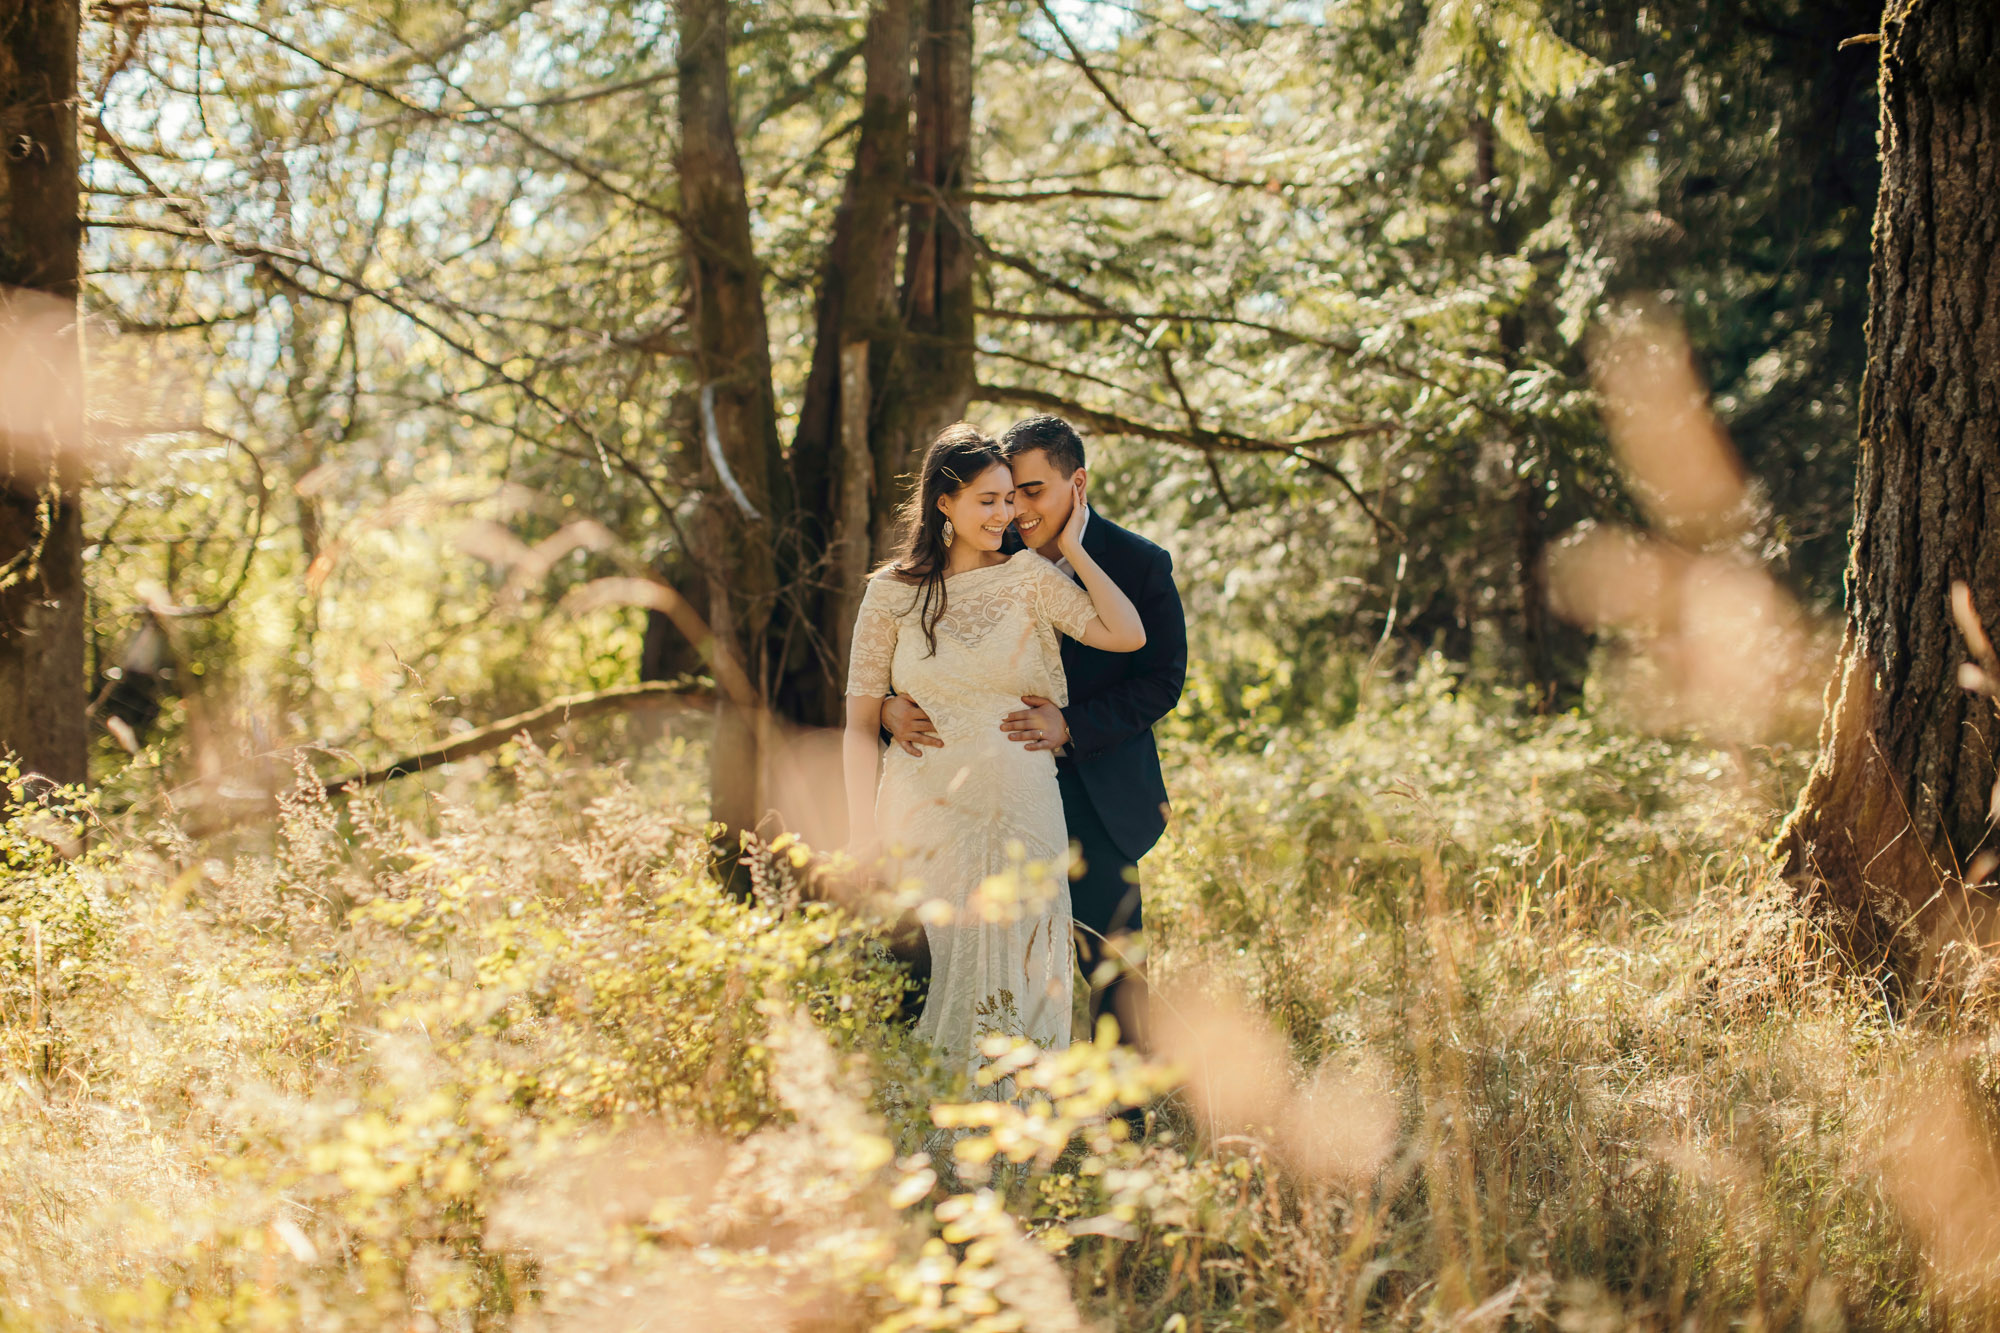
column 1531, row 577
column 1899, row 803
column 931, row 378
column 747, row 494
column 1535, row 625
column 42, row 683
column 857, row 332
column 788, row 538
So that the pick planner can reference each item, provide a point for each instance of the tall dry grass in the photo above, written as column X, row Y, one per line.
column 1467, row 1020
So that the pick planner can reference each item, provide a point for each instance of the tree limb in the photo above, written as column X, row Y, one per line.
column 1202, row 440
column 1099, row 310
column 1173, row 159
column 209, row 821
column 1041, row 196
column 475, row 113
column 1194, row 426
column 823, row 78
column 569, row 708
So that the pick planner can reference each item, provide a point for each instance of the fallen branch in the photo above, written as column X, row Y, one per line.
column 206, row 820
column 569, row 708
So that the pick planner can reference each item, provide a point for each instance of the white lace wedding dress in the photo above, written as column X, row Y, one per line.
column 979, row 823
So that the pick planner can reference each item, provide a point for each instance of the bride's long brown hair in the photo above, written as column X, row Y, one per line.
column 960, row 453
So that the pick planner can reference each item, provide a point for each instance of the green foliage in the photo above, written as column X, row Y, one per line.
column 1427, row 769
column 57, row 923
column 1412, row 218
column 384, row 1033
column 1522, row 1025
column 1522, row 1030
column 412, row 322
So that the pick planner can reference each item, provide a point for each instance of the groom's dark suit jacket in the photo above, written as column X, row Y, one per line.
column 1115, row 698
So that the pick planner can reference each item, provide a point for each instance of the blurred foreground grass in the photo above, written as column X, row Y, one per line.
column 1476, row 1022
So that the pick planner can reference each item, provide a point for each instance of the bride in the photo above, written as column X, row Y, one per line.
column 967, row 631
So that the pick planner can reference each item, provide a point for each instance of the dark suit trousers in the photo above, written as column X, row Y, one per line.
column 1105, row 902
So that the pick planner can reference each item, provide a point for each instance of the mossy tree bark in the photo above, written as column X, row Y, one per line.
column 1898, row 807
column 41, row 469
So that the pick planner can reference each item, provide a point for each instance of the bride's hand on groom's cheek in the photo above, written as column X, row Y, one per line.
column 1071, row 536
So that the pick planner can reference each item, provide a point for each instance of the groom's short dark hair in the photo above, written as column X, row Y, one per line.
column 1052, row 435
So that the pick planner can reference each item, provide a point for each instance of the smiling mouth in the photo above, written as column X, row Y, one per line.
column 1028, row 524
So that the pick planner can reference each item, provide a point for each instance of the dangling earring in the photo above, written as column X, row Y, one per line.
column 949, row 532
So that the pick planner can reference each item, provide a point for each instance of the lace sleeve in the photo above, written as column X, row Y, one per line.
column 874, row 648
column 1060, row 600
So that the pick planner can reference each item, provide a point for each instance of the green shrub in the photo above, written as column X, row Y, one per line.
column 1523, row 1031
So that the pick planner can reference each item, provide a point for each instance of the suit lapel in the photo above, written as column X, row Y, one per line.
column 1099, row 534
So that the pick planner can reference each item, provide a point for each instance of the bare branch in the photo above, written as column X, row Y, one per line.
column 1194, row 426
column 799, row 92
column 250, row 543
column 1042, row 196
column 1165, row 150
column 1203, row 440
column 474, row 113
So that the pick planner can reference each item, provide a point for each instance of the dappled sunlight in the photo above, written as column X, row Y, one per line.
column 543, row 785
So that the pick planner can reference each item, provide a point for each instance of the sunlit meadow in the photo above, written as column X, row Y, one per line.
column 1466, row 1022
column 1473, row 1010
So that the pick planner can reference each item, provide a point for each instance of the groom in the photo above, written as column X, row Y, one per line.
column 1113, row 795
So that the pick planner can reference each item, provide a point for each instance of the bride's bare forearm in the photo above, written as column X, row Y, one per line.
column 861, row 758
column 1118, row 628
column 860, row 763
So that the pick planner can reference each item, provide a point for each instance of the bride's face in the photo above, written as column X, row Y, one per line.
column 981, row 509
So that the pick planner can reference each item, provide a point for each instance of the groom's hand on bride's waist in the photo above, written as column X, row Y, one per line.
column 908, row 725
column 1039, row 726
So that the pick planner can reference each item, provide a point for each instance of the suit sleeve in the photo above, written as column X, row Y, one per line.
column 1152, row 688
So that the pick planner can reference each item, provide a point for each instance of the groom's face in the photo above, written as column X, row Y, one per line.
column 1043, row 498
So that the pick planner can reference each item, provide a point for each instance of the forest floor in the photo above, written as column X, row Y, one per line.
column 1468, row 1020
